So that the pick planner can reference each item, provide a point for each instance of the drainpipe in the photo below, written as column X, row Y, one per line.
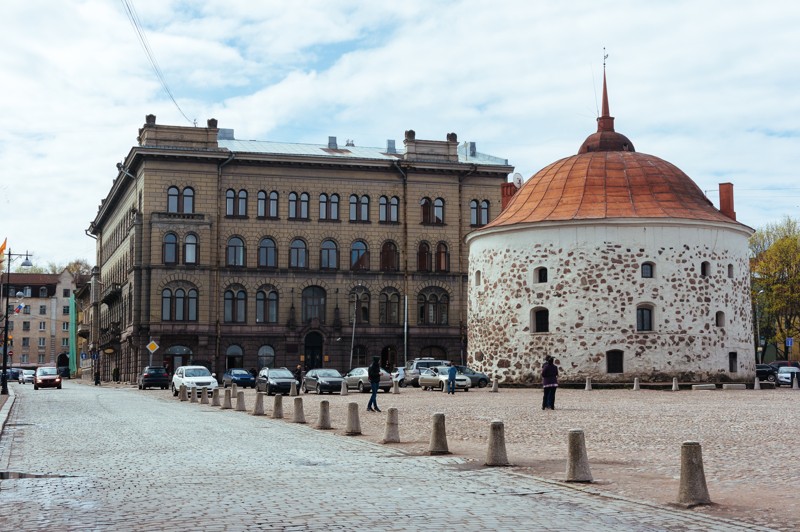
column 214, row 292
column 464, row 304
column 404, row 177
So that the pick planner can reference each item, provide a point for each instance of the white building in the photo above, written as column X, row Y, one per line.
column 615, row 263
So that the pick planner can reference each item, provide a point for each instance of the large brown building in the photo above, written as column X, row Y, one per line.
column 234, row 253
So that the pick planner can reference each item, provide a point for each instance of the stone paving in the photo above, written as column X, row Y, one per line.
column 117, row 458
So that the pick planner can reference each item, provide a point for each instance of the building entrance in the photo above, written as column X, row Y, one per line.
column 313, row 350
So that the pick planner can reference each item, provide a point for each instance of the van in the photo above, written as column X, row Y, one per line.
column 413, row 367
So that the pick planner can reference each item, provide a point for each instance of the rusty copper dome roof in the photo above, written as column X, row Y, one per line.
column 608, row 179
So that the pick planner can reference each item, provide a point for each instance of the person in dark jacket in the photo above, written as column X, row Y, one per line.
column 549, row 383
column 374, row 374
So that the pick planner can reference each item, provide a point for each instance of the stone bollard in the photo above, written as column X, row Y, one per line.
column 324, row 421
column 293, row 389
column 588, row 384
column 577, row 461
column 277, row 407
column 494, row 385
column 234, row 390
column 794, row 382
column 226, row 402
column 396, row 387
column 353, row 427
column 438, row 443
column 240, row 407
column 182, row 393
column 215, row 397
column 692, row 490
column 343, row 390
column 258, row 409
column 204, row 395
column 675, row 387
column 636, row 384
column 193, row 394
column 496, row 453
column 392, row 432
column 757, row 384
column 298, row 416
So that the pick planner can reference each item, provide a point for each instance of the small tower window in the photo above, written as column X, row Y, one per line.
column 478, row 278
column 644, row 318
column 733, row 362
column 648, row 269
column 705, row 269
column 730, row 271
column 614, row 361
column 540, row 320
column 540, row 275
column 719, row 319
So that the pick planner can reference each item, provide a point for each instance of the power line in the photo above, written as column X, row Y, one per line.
column 133, row 17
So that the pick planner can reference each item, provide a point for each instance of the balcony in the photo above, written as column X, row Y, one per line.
column 83, row 330
column 111, row 293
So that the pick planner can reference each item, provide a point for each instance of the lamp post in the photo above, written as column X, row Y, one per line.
column 26, row 264
column 759, row 350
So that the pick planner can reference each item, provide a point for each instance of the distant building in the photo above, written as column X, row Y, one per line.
column 615, row 263
column 241, row 253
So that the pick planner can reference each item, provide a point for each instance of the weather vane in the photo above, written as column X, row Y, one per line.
column 605, row 56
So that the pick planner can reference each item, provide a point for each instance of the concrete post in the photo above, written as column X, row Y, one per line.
column 293, row 389
column 494, row 385
column 577, row 461
column 392, row 432
column 204, row 395
column 438, row 444
column 193, row 393
column 343, row 390
column 675, row 387
column 234, row 390
column 794, row 382
column 496, row 453
column 757, row 384
column 277, row 407
column 258, row 409
column 182, row 393
column 215, row 397
column 298, row 416
column 693, row 489
column 240, row 407
column 353, row 422
column 226, row 402
column 588, row 384
column 636, row 384
column 324, row 421
column 396, row 387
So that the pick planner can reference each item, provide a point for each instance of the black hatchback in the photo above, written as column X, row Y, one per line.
column 153, row 377
column 765, row 372
column 275, row 380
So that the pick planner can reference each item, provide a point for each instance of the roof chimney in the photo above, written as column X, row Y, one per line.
column 473, row 150
column 390, row 147
column 332, row 143
column 726, row 200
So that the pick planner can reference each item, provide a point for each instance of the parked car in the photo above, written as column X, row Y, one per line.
column 12, row 374
column 358, row 378
column 26, row 376
column 240, row 376
column 436, row 379
column 153, row 377
column 785, row 375
column 765, row 372
column 193, row 377
column 399, row 375
column 481, row 380
column 413, row 368
column 46, row 377
column 778, row 364
column 275, row 380
column 322, row 380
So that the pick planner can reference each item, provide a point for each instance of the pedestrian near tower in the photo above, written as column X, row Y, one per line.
column 549, row 383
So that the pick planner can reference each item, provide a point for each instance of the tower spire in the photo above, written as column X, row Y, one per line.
column 605, row 122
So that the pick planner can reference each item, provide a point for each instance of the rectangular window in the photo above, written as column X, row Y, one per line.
column 733, row 364
column 65, row 326
column 41, row 358
column 26, row 326
column 65, row 292
column 614, row 361
column 42, row 342
column 26, row 342
column 65, row 310
column 65, row 342
column 42, row 309
column 26, row 309
column 42, row 326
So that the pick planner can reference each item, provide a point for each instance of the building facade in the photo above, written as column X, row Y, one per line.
column 234, row 253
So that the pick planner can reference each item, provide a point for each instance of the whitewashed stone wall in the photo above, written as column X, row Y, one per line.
column 593, row 289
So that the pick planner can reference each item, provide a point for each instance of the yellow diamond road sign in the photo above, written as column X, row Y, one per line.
column 152, row 346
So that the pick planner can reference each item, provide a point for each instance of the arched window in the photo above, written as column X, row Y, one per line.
column 334, row 207
column 298, row 254
column 648, row 270
column 540, row 320
column 191, row 305
column 644, row 318
column 388, row 209
column 353, row 207
column 267, row 253
column 266, row 356
column 188, row 200
column 394, row 209
column 272, row 208
column 170, row 248
column 705, row 269
column 383, row 209
column 442, row 257
column 433, row 305
column 424, row 260
column 730, row 271
column 180, row 304
column 484, row 213
column 359, row 208
column 235, row 252
column 390, row 257
column 359, row 298
column 540, row 275
column 359, row 256
column 426, row 206
column 313, row 301
column 230, row 202
column 389, row 307
column 166, row 305
column 235, row 306
column 234, row 357
column 719, row 319
column 267, row 306
column 190, row 249
column 172, row 199
column 473, row 213
column 261, row 204
column 477, row 278
column 364, row 210
column 292, row 205
column 303, row 215
column 323, row 206
column 438, row 211
column 328, row 255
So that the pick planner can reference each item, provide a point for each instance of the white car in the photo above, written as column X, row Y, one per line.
column 436, row 379
column 785, row 375
column 26, row 376
column 193, row 377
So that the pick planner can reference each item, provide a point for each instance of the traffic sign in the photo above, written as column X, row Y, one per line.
column 789, row 341
column 152, row 346
column 83, row 355
column 10, row 353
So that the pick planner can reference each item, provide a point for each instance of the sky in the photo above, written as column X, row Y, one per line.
column 710, row 86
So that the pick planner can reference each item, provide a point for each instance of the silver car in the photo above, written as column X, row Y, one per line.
column 785, row 375
column 435, row 378
column 358, row 378
column 26, row 376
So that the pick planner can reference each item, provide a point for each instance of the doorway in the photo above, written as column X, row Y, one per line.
column 313, row 350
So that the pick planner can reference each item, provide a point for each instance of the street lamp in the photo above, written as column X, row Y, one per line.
column 25, row 264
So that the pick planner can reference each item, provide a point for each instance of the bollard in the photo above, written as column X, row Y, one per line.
column 392, row 432
column 692, row 490
column 494, row 385
column 794, row 382
column 496, row 452
column 636, row 384
column 353, row 427
column 438, row 443
column 226, row 402
column 234, row 390
column 277, row 407
column 192, row 394
column 675, row 384
column 396, row 387
column 588, row 384
column 324, row 421
column 182, row 393
column 204, row 395
column 757, row 384
column 343, row 390
column 577, row 461
column 298, row 416
column 215, row 397
column 293, row 389
column 240, row 402
column 258, row 409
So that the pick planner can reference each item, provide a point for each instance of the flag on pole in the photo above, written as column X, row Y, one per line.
column 18, row 308
column 3, row 252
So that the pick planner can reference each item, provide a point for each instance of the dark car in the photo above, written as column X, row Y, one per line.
column 765, row 372
column 46, row 377
column 275, row 380
column 778, row 364
column 12, row 374
column 152, row 377
column 323, row 380
column 478, row 379
column 240, row 377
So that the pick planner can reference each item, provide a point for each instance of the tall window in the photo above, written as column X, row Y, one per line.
column 235, row 306
column 298, row 254
column 241, row 203
column 261, row 204
column 235, row 252
column 540, row 275
column 433, row 307
column 644, row 318
column 359, row 208
column 266, row 356
column 180, row 301
column 293, row 206
column 389, row 307
column 172, row 199
column 390, row 257
column 170, row 248
column 705, row 269
column 359, row 298
column 267, row 306
column 540, row 320
column 303, row 206
column 442, row 257
column 388, row 209
column 230, row 202
column 267, row 253
column 188, row 200
column 328, row 255
column 42, row 291
column 614, row 361
column 313, row 300
column 432, row 211
column 438, row 211
column 191, row 305
column 359, row 256
column 272, row 206
column 719, row 319
column 424, row 260
column 478, row 213
column 190, row 249
column 180, row 305
column 323, row 206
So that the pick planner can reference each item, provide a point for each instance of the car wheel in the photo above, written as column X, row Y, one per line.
column 483, row 383
column 466, row 389
column 305, row 390
column 35, row 387
column 771, row 378
column 319, row 390
column 59, row 386
column 402, row 383
column 441, row 386
column 174, row 391
column 361, row 387
column 386, row 390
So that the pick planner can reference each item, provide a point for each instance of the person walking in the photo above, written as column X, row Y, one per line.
column 298, row 374
column 451, row 379
column 549, row 383
column 374, row 374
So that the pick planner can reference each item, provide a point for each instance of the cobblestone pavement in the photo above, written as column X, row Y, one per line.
column 115, row 458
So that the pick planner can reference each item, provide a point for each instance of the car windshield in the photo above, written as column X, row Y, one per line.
column 239, row 372
column 28, row 372
column 155, row 370
column 328, row 373
column 198, row 372
column 281, row 374
column 47, row 371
